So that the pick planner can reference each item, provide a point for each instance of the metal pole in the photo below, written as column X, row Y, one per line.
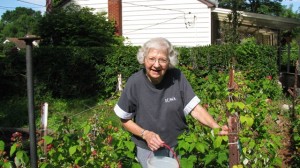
column 32, row 127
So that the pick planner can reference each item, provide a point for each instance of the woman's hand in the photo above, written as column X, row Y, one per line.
column 224, row 130
column 153, row 140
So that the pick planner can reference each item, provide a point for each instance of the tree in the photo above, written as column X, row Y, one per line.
column 19, row 22
column 288, row 12
column 76, row 26
column 269, row 7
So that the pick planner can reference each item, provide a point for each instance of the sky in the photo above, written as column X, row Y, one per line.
column 37, row 5
column 295, row 3
column 40, row 5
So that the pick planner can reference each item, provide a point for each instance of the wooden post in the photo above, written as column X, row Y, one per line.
column 233, row 139
column 233, row 124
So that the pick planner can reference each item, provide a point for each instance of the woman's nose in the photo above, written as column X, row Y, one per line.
column 156, row 63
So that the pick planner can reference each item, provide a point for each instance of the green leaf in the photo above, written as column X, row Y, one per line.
column 225, row 138
column 77, row 160
column 19, row 155
column 216, row 131
column 136, row 165
column 192, row 158
column 218, row 141
column 248, row 120
column 184, row 145
column 12, row 149
column 191, row 138
column 2, row 146
column 241, row 105
column 229, row 105
column 61, row 157
column 130, row 145
column 200, row 147
column 72, row 150
column 129, row 154
column 48, row 139
column 7, row 165
column 43, row 165
column 208, row 158
column 184, row 162
column 222, row 156
column 18, row 162
column 251, row 144
column 192, row 146
column 87, row 129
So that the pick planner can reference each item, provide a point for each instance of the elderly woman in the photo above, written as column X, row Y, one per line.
column 156, row 100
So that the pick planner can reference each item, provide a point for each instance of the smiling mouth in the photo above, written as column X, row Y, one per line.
column 157, row 71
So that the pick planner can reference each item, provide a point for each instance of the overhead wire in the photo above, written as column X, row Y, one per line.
column 154, row 7
column 153, row 25
column 31, row 3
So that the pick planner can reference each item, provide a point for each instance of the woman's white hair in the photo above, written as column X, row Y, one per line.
column 158, row 44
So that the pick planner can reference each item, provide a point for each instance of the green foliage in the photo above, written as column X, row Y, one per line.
column 100, row 142
column 292, row 57
column 56, row 2
column 206, row 58
column 122, row 61
column 12, row 107
column 296, row 136
column 69, row 71
column 256, row 60
column 17, row 152
column 9, row 49
column 288, row 12
column 95, row 143
column 258, row 144
column 271, row 7
column 12, row 72
column 253, row 59
column 201, row 148
column 19, row 22
column 76, row 26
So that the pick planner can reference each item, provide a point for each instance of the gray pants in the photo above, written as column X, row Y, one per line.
column 144, row 154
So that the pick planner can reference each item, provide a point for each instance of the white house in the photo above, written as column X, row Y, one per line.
column 183, row 22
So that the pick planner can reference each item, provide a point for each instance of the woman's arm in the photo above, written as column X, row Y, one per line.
column 153, row 140
column 201, row 114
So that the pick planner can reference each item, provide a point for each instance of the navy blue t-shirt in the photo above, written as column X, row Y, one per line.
column 159, row 108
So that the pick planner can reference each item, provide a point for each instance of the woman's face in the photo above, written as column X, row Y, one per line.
column 156, row 65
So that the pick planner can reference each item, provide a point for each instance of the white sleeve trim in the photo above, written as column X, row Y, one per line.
column 191, row 105
column 122, row 114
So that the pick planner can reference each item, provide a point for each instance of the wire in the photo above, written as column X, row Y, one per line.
column 6, row 7
column 31, row 3
column 89, row 108
column 153, row 7
column 153, row 25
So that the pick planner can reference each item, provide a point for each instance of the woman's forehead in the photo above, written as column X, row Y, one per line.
column 153, row 51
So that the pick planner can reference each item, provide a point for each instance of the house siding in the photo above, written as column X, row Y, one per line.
column 182, row 22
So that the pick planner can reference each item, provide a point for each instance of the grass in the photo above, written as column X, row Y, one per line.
column 13, row 112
